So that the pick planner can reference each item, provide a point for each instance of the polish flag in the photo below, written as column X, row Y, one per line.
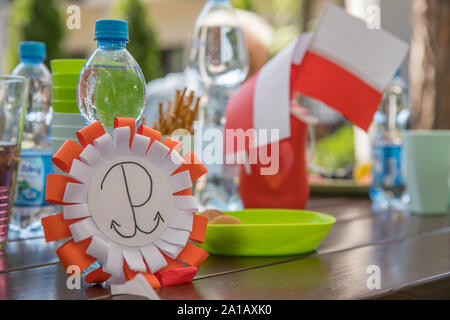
column 342, row 63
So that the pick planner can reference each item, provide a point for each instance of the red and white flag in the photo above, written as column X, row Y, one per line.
column 342, row 63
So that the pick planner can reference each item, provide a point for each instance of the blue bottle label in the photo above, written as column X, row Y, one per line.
column 30, row 182
column 387, row 165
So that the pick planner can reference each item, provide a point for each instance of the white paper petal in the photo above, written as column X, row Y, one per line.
column 175, row 236
column 105, row 146
column 157, row 153
column 83, row 229
column 172, row 163
column 140, row 145
column 75, row 193
column 186, row 202
column 118, row 279
column 122, row 140
column 114, row 262
column 92, row 157
column 138, row 286
column 182, row 220
column 76, row 211
column 180, row 181
column 171, row 250
column 98, row 248
column 153, row 257
column 134, row 260
column 81, row 171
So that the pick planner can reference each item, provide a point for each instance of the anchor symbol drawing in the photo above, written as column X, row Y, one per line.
column 158, row 217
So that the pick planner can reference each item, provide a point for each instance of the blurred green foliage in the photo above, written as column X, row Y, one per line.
column 143, row 44
column 336, row 150
column 283, row 15
column 34, row 20
column 243, row 4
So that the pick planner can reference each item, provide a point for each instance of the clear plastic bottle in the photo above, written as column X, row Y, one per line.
column 35, row 157
column 387, row 189
column 111, row 83
column 218, row 57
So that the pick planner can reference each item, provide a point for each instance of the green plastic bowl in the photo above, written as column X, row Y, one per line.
column 268, row 232
column 59, row 93
column 65, row 106
column 68, row 66
column 65, row 80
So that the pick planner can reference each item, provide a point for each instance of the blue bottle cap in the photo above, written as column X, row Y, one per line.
column 32, row 50
column 111, row 30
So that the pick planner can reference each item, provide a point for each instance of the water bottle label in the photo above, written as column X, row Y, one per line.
column 30, row 182
column 387, row 166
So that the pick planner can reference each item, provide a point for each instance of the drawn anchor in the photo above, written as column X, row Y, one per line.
column 158, row 216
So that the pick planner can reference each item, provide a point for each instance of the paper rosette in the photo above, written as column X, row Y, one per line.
column 127, row 203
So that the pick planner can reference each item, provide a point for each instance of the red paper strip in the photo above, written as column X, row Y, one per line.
column 72, row 253
column 185, row 192
column 149, row 132
column 126, row 122
column 55, row 188
column 150, row 277
column 199, row 229
column 177, row 276
column 193, row 165
column 64, row 157
column 56, row 228
column 88, row 134
column 193, row 255
column 97, row 276
column 172, row 144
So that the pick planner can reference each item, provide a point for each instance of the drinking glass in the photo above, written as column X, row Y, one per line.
column 13, row 92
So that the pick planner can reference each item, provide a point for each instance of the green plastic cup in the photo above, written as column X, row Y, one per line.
column 67, row 119
column 65, row 106
column 67, row 94
column 67, row 66
column 64, row 80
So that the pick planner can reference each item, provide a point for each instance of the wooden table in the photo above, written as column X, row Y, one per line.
column 412, row 253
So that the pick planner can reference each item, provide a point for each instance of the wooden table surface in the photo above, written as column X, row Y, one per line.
column 412, row 252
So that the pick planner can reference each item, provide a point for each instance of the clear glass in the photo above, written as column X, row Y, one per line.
column 111, row 85
column 13, row 93
column 218, row 51
column 218, row 56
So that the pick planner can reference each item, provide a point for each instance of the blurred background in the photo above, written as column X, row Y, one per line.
column 160, row 33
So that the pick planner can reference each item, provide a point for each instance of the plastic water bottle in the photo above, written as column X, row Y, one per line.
column 218, row 56
column 387, row 190
column 35, row 157
column 111, row 83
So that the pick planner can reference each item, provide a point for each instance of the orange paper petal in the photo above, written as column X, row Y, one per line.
column 172, row 144
column 72, row 253
column 150, row 277
column 69, row 151
column 56, row 228
column 185, row 192
column 55, row 188
column 193, row 165
column 193, row 255
column 126, row 122
column 149, row 132
column 97, row 276
column 88, row 134
column 199, row 229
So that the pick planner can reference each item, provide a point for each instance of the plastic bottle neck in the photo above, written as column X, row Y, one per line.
column 31, row 61
column 111, row 44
